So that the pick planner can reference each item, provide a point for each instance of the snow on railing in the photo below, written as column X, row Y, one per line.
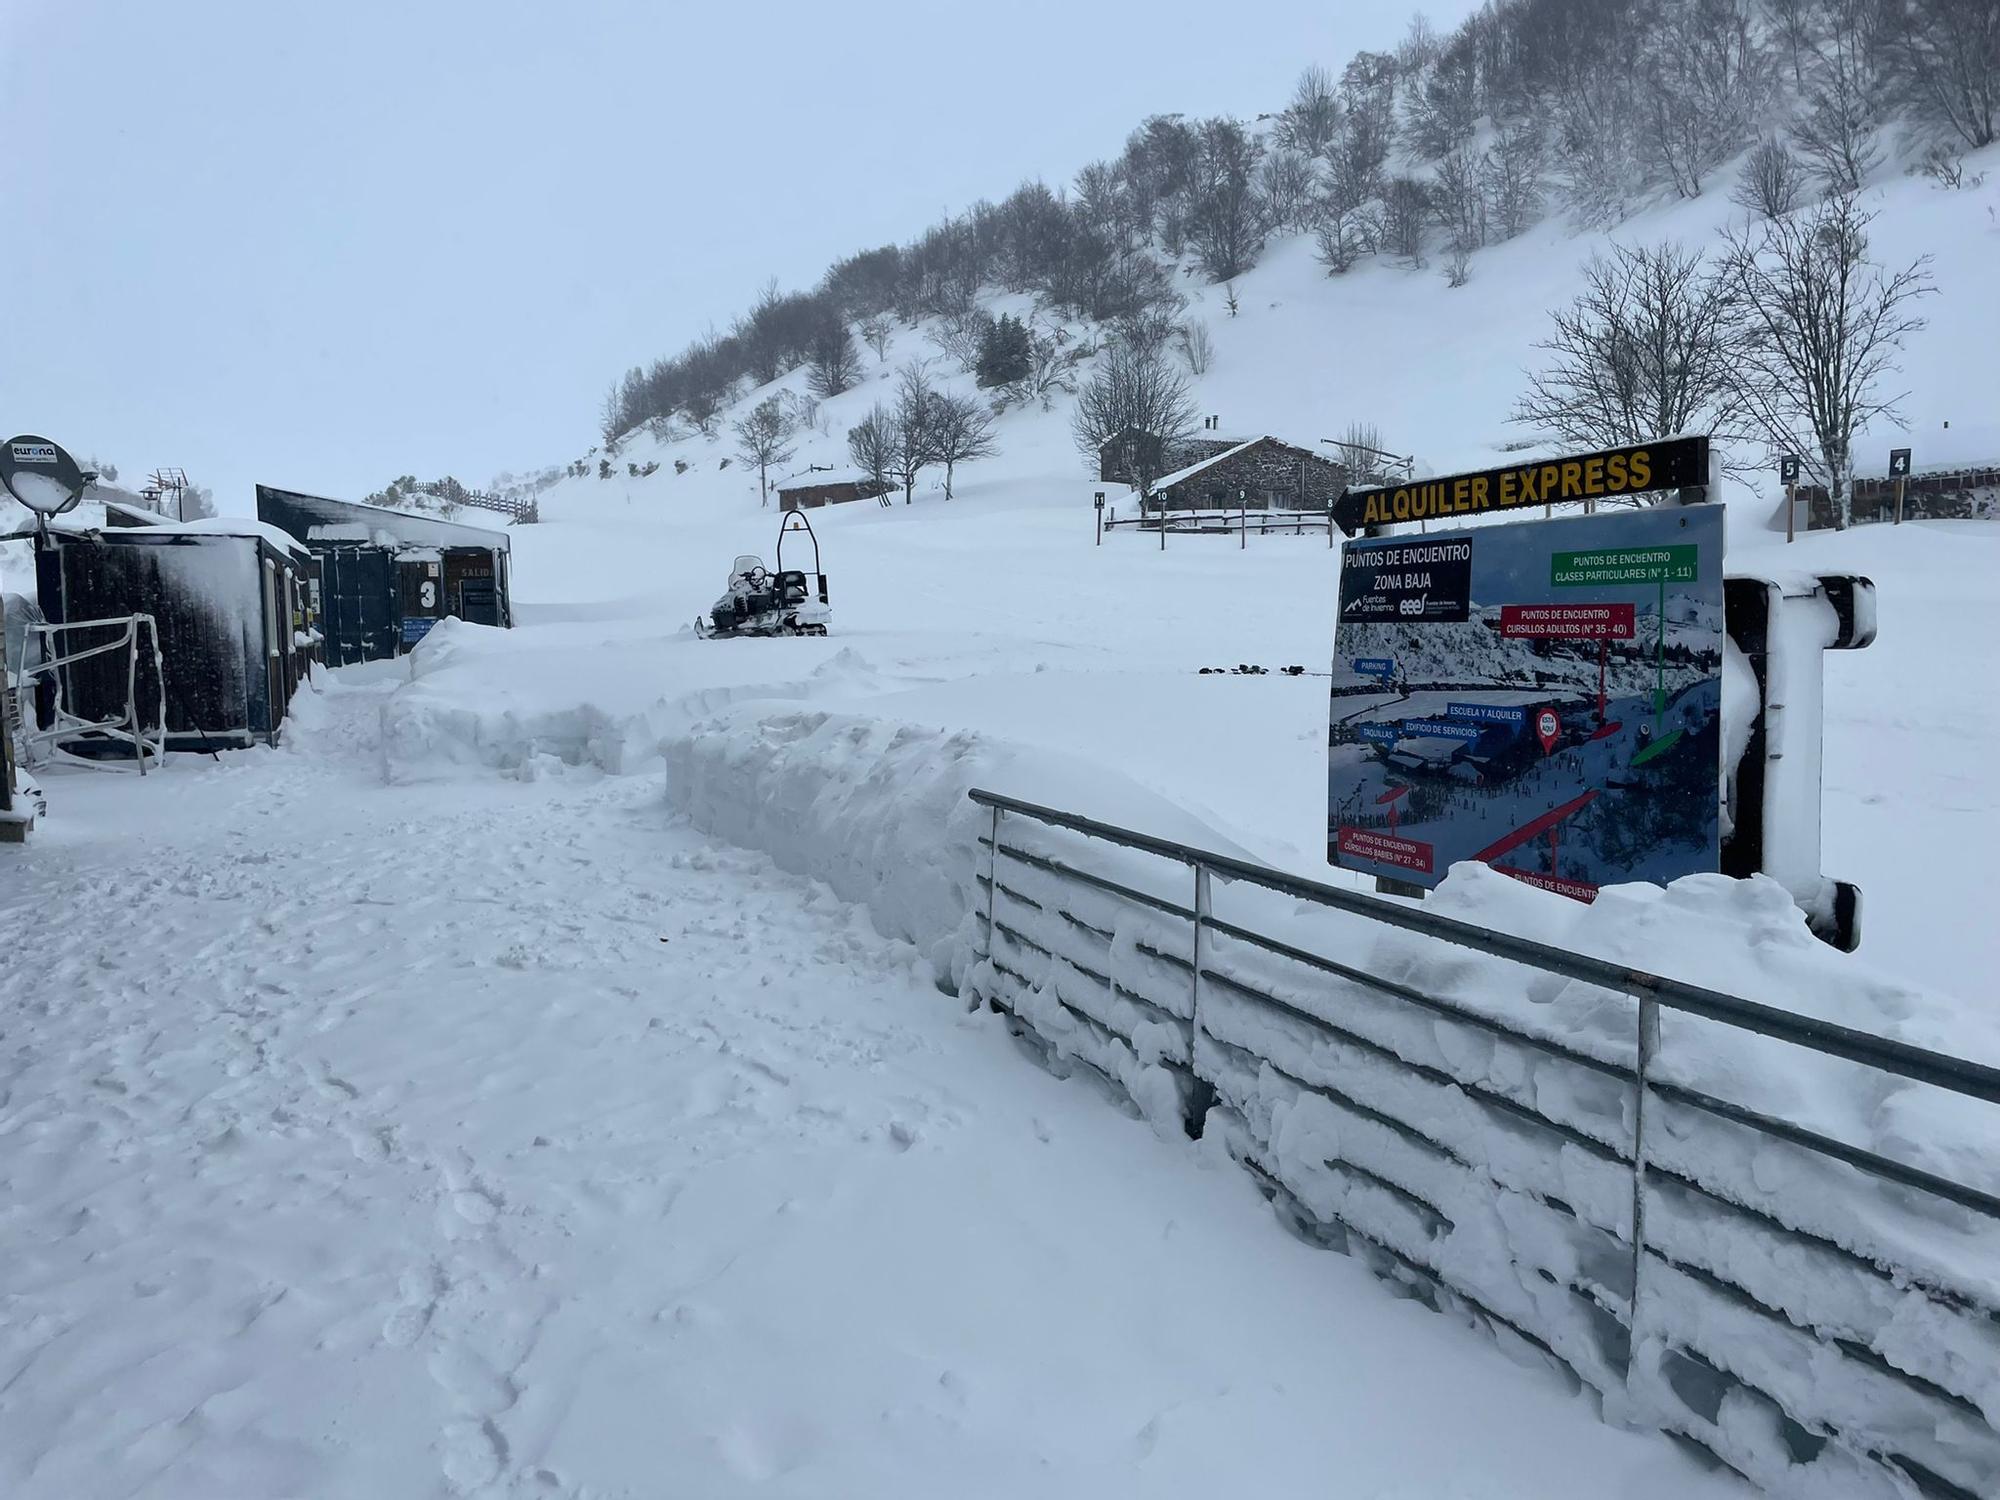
column 1821, row 1315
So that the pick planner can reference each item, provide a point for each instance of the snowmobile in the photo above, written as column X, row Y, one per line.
column 762, row 602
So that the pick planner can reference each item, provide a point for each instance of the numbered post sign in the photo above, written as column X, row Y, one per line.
column 1788, row 469
column 1899, row 463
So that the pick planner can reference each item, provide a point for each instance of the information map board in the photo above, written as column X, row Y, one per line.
column 1541, row 696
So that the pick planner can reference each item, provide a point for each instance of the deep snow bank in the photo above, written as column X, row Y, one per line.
column 878, row 809
column 598, row 693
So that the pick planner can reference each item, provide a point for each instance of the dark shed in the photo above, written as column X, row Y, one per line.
column 229, row 603
column 817, row 487
column 387, row 576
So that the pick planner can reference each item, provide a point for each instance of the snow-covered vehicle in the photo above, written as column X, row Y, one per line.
column 762, row 601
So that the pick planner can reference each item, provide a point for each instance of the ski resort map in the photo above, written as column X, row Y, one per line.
column 1541, row 696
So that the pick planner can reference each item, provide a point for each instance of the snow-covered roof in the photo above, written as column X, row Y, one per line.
column 811, row 478
column 119, row 514
column 327, row 519
column 1168, row 481
column 87, row 518
column 273, row 536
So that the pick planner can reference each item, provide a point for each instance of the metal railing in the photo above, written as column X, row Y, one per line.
column 1237, row 523
column 40, row 745
column 1640, row 1075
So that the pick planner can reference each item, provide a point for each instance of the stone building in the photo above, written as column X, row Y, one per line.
column 1262, row 473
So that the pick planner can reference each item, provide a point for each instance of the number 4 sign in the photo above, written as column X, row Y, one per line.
column 1899, row 470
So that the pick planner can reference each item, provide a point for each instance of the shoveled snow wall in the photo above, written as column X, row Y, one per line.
column 1465, row 1123
column 878, row 809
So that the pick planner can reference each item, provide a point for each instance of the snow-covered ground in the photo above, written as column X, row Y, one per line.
column 482, row 1137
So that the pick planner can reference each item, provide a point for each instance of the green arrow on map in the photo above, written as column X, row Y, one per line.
column 1610, row 566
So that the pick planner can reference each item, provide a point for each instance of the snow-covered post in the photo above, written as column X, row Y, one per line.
column 1201, row 914
column 12, row 829
column 1649, row 1045
column 992, row 876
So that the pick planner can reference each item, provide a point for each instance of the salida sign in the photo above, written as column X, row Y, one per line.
column 1543, row 697
column 1675, row 463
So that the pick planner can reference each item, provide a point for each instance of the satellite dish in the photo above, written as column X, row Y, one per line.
column 40, row 475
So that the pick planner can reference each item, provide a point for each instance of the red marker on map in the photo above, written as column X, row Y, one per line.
column 1390, row 797
column 1548, row 729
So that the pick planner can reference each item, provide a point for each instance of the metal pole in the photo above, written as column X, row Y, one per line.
column 1243, row 510
column 132, row 691
column 1899, row 499
column 992, row 878
column 6, row 713
column 1649, row 1046
column 1163, row 524
column 1201, row 915
column 1791, row 511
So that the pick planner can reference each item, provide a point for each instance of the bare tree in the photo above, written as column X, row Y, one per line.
column 1643, row 353
column 1837, row 129
column 962, row 432
column 871, row 444
column 1947, row 52
column 611, row 416
column 1196, row 348
column 1816, row 328
column 1511, row 177
column 1708, row 78
column 1406, row 208
column 1135, row 390
column 1458, row 199
column 1285, row 189
column 1347, row 228
column 1596, row 112
column 1419, row 46
column 913, row 444
column 1362, row 454
column 1772, row 182
column 763, row 439
column 1309, row 123
column 961, row 335
column 1792, row 22
column 703, row 406
column 876, row 332
column 1046, row 372
column 1342, row 236
column 1147, row 328
column 1225, row 225
column 833, row 364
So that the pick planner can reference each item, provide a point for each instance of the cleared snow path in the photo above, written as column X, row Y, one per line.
column 511, row 1140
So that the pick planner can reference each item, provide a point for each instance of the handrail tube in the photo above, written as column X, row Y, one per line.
column 1959, row 1075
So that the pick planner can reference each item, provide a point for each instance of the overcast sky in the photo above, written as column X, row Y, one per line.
column 322, row 245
